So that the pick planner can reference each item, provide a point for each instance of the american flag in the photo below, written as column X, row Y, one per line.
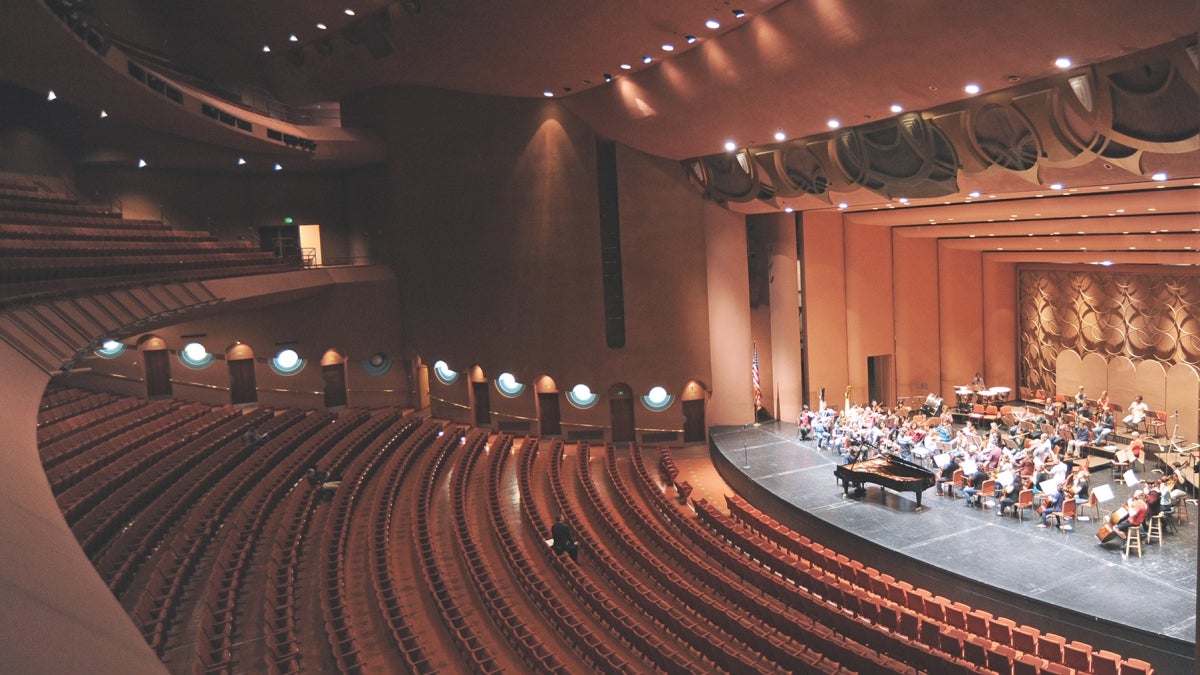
column 757, row 381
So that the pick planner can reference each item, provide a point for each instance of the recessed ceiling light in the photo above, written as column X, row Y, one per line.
column 608, row 77
column 321, row 26
column 626, row 66
column 690, row 38
column 1159, row 176
column 293, row 38
column 548, row 94
column 1056, row 186
column 737, row 13
column 647, row 58
column 241, row 161
column 833, row 124
column 903, row 200
column 1063, row 62
column 971, row 89
column 975, row 194
column 788, row 210
column 780, row 136
column 348, row 11
column 896, row 107
column 141, row 163
column 266, row 49
column 668, row 47
column 51, row 95
column 103, row 114
column 712, row 24
column 730, row 146
column 278, row 166
column 843, row 205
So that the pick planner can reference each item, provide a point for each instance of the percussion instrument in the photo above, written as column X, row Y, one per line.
column 987, row 396
column 1002, row 393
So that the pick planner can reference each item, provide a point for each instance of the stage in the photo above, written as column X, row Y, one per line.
column 1062, row 581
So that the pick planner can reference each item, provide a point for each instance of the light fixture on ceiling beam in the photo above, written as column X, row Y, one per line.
column 738, row 13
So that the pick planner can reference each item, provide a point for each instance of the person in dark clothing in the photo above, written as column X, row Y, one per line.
column 563, row 542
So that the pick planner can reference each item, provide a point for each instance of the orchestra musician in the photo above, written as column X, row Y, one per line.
column 1051, row 506
column 1104, row 427
column 1104, row 403
column 1138, row 447
column 1137, row 412
column 1137, row 514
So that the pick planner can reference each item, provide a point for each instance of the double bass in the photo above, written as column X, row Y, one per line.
column 1109, row 529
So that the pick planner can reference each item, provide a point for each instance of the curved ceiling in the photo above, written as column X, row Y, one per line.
column 786, row 65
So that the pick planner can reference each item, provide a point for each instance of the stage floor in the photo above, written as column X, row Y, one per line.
column 1070, row 570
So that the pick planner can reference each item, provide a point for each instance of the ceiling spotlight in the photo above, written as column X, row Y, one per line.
column 903, row 200
column 626, row 66
column 348, row 11
column 843, row 205
column 974, row 194
column 608, row 77
column 668, row 47
column 896, row 108
column 737, row 14
column 690, row 38
column 103, row 114
column 321, row 26
column 51, row 96
column 1056, row 186
column 548, row 94
column 780, row 136
column 1159, row 176
column 241, row 161
column 1063, row 62
column 266, row 49
column 833, row 124
column 730, row 146
column 278, row 166
column 712, row 24
column 971, row 89
column 647, row 59
column 141, row 163
column 788, row 210
column 293, row 38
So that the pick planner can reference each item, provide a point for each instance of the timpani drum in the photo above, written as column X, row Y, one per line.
column 987, row 396
column 1002, row 393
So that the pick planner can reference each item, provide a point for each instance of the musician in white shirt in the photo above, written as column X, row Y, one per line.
column 1137, row 412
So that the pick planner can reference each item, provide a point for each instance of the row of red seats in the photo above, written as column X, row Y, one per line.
column 641, row 633
column 830, row 648
column 217, row 455
column 88, row 503
column 592, row 647
column 974, row 631
column 75, row 248
column 44, row 234
column 734, row 632
column 57, row 398
column 504, row 610
column 816, row 595
column 54, row 442
column 386, row 570
column 33, row 269
column 106, row 442
column 479, row 655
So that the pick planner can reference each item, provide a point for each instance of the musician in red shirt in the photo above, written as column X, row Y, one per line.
column 1137, row 514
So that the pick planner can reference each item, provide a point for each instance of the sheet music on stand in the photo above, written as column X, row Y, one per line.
column 969, row 467
column 1104, row 493
column 1005, row 478
column 1131, row 479
column 941, row 460
column 1049, row 486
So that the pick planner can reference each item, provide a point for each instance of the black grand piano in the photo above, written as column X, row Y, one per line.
column 889, row 471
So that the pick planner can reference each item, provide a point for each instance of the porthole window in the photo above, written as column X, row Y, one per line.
column 658, row 399
column 508, row 385
column 110, row 349
column 581, row 396
column 443, row 373
column 287, row 362
column 377, row 364
column 194, row 355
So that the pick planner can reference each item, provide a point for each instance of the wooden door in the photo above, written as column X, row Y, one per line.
column 693, row 421
column 551, row 423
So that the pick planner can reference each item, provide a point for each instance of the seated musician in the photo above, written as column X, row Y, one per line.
column 945, row 473
column 1079, row 484
column 1137, row 446
column 804, row 428
column 1008, row 493
column 1080, row 399
column 1104, row 404
column 1104, row 427
column 1043, row 450
column 1079, row 440
column 973, row 485
column 1053, row 505
column 1137, row 514
column 977, row 383
column 1137, row 412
